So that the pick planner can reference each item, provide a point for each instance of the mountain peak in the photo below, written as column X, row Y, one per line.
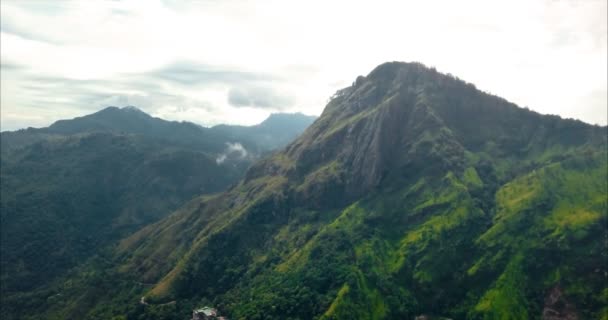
column 393, row 67
column 404, row 119
column 126, row 119
column 121, row 111
column 132, row 109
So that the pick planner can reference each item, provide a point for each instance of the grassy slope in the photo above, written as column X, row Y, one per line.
column 429, row 248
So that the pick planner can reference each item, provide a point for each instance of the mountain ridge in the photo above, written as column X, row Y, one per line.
column 131, row 120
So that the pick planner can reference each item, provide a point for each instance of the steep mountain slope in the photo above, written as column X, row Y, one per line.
column 413, row 193
column 69, row 190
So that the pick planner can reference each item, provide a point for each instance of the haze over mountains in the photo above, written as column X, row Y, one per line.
column 413, row 194
column 275, row 131
column 72, row 188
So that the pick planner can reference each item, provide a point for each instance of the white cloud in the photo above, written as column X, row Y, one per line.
column 235, row 150
column 547, row 55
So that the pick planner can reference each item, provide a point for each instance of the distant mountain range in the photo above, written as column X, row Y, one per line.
column 71, row 189
column 274, row 132
column 413, row 196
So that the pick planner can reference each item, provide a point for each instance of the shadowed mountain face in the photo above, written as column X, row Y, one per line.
column 413, row 194
column 277, row 130
column 71, row 189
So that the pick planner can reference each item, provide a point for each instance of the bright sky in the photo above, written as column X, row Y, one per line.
column 229, row 61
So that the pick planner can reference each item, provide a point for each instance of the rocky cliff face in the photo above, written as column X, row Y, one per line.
column 557, row 307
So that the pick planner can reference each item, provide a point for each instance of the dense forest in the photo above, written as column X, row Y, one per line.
column 413, row 195
column 70, row 190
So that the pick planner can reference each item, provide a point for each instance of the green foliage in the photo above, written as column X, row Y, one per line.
column 71, row 190
column 506, row 299
column 414, row 193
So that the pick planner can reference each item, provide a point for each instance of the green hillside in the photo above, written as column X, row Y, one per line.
column 72, row 189
column 413, row 194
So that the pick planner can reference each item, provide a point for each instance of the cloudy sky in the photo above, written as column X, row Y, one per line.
column 234, row 61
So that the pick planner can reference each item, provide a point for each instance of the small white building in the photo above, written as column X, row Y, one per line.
column 204, row 313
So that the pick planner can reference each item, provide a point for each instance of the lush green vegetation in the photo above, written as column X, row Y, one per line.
column 72, row 189
column 414, row 193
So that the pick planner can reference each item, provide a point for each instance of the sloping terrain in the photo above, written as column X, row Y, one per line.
column 413, row 194
column 69, row 190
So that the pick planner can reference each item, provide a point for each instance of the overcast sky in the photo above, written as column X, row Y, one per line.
column 227, row 61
